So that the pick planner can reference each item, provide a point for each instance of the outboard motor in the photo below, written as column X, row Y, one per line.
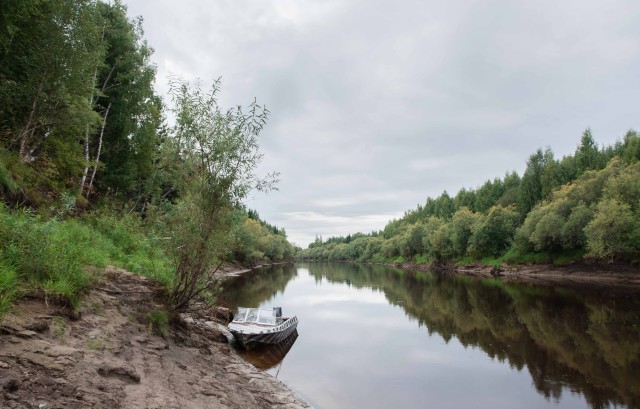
column 277, row 312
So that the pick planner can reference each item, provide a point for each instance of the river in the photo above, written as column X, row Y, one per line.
column 381, row 337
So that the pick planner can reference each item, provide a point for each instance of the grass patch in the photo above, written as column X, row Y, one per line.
column 464, row 260
column 569, row 257
column 423, row 259
column 492, row 261
column 52, row 256
column 49, row 255
column 159, row 321
column 95, row 344
column 134, row 248
column 561, row 258
column 59, row 326
column 8, row 286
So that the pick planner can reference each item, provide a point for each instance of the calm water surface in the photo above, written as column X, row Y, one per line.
column 378, row 337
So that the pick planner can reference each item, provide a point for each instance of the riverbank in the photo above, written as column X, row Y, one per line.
column 579, row 274
column 115, row 351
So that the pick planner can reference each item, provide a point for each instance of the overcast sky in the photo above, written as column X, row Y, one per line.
column 377, row 105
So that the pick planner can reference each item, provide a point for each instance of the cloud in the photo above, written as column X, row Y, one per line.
column 377, row 105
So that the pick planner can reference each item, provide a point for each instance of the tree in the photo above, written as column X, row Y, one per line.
column 462, row 226
column 614, row 231
column 494, row 234
column 211, row 155
column 441, row 247
column 48, row 54
column 413, row 244
column 588, row 156
column 530, row 191
column 124, row 91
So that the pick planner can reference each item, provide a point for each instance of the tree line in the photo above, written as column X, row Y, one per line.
column 584, row 205
column 84, row 136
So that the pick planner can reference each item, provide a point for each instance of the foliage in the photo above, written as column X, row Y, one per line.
column 8, row 286
column 254, row 242
column 51, row 256
column 614, row 231
column 493, row 235
column 90, row 168
column 556, row 212
column 159, row 321
column 210, row 158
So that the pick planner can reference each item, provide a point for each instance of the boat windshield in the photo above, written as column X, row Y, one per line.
column 255, row 315
column 267, row 317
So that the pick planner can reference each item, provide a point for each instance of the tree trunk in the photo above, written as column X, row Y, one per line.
column 95, row 166
column 29, row 128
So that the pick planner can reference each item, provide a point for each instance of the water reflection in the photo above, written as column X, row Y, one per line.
column 268, row 356
column 576, row 346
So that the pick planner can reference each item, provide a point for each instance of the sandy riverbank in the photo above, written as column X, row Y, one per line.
column 107, row 355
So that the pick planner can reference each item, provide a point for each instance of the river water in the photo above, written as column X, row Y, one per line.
column 380, row 337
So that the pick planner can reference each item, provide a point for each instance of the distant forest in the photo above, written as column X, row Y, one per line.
column 92, row 173
column 583, row 206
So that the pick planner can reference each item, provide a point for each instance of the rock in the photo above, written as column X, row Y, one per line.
column 26, row 333
column 123, row 371
column 93, row 334
column 158, row 345
column 40, row 326
column 142, row 339
column 224, row 331
column 42, row 360
column 224, row 314
column 4, row 365
column 187, row 319
column 57, row 351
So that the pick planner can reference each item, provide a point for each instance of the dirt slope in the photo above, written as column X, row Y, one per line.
column 107, row 357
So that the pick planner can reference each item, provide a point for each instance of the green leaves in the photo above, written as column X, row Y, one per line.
column 210, row 160
column 614, row 231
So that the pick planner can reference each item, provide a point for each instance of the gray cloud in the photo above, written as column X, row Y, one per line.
column 378, row 104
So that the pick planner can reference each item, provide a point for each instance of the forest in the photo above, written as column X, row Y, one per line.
column 584, row 206
column 92, row 171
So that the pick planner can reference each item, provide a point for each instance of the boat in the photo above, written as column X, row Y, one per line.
column 255, row 326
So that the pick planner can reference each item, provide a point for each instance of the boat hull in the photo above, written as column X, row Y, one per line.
column 250, row 339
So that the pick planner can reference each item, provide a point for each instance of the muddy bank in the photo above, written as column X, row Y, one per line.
column 231, row 270
column 588, row 275
column 579, row 274
column 111, row 354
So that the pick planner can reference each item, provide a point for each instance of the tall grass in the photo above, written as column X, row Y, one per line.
column 131, row 246
column 8, row 286
column 52, row 256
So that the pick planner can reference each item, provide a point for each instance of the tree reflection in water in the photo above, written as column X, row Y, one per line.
column 577, row 340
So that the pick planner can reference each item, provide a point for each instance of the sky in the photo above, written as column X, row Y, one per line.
column 376, row 105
